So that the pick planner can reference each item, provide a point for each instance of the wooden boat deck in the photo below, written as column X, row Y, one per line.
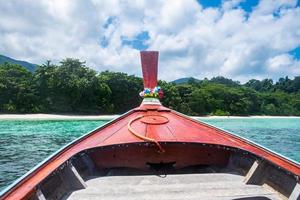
column 173, row 186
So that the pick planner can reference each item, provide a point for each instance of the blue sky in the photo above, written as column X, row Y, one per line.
column 246, row 5
column 239, row 39
column 295, row 53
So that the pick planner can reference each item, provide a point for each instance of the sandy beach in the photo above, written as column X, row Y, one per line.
column 241, row 117
column 55, row 117
column 105, row 117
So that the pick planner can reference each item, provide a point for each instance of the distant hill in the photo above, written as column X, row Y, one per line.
column 31, row 67
column 185, row 80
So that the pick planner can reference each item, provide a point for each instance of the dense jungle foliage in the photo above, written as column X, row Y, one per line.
column 71, row 87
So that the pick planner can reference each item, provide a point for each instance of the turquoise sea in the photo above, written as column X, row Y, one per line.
column 23, row 144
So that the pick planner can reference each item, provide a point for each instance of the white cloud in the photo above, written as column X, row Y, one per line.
column 283, row 63
column 192, row 41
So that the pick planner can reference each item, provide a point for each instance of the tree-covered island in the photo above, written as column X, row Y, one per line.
column 72, row 88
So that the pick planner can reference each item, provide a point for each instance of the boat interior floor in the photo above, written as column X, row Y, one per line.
column 122, row 184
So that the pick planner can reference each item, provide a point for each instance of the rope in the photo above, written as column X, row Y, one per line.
column 161, row 150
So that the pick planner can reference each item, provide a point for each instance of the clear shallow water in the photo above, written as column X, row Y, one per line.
column 281, row 135
column 23, row 144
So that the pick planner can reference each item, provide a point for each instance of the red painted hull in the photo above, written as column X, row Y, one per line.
column 178, row 129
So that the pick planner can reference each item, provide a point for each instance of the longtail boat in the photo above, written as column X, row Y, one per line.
column 153, row 152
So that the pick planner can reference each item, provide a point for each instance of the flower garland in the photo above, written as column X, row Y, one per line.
column 153, row 93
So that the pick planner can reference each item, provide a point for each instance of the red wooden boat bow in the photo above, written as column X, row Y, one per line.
column 153, row 133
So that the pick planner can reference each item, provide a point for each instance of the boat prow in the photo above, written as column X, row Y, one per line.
column 153, row 152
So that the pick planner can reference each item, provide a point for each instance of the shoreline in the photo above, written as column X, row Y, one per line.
column 110, row 117
column 55, row 117
column 243, row 117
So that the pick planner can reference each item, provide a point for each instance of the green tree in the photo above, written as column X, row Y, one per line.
column 71, row 87
column 16, row 92
column 224, row 81
column 172, row 97
column 124, row 90
column 200, row 102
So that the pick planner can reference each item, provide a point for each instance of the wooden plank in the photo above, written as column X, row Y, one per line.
column 296, row 193
column 72, row 178
column 255, row 173
column 39, row 195
column 179, row 186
